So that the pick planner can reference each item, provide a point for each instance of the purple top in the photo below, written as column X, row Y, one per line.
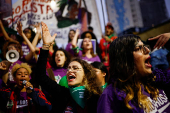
column 69, row 49
column 25, row 49
column 22, row 103
column 113, row 101
column 58, row 73
column 89, row 60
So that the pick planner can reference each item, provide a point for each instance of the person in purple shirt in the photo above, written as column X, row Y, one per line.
column 70, row 38
column 22, row 97
column 59, row 63
column 133, row 87
column 87, row 52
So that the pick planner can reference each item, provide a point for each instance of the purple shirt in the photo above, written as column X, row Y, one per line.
column 113, row 102
column 25, row 49
column 69, row 49
column 22, row 103
column 89, row 60
column 58, row 73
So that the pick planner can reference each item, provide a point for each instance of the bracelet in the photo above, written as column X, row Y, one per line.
column 76, row 49
column 47, row 45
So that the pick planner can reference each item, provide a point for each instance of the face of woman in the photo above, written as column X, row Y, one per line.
column 142, row 59
column 100, row 75
column 27, row 33
column 75, row 74
column 60, row 58
column 21, row 74
column 88, row 35
column 87, row 44
column 71, row 34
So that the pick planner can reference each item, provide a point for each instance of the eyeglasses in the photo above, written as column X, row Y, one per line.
column 143, row 49
column 73, row 69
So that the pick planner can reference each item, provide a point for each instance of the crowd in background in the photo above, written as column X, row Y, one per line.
column 118, row 74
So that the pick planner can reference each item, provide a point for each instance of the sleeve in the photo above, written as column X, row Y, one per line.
column 39, row 99
column 98, row 59
column 104, row 104
column 162, row 77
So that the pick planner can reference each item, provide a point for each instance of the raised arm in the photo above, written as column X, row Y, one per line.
column 6, row 36
column 74, row 41
column 41, row 77
column 36, row 38
column 30, row 55
column 4, row 68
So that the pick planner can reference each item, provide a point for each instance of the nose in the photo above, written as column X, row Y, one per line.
column 147, row 50
column 23, row 75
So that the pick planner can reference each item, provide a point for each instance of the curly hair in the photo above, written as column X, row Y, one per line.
column 90, row 77
column 5, row 48
column 67, row 55
column 18, row 66
column 124, row 74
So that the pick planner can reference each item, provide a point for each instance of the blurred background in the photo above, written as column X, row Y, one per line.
column 146, row 18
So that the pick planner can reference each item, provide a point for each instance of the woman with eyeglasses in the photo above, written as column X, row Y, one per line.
column 83, row 92
column 134, row 87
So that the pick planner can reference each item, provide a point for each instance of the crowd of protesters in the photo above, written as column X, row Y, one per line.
column 117, row 75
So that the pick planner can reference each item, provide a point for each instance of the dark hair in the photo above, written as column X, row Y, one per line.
column 92, row 86
column 32, row 33
column 93, row 37
column 98, row 51
column 102, row 67
column 110, row 26
column 90, row 28
column 67, row 55
column 124, row 74
column 121, row 56
column 69, row 34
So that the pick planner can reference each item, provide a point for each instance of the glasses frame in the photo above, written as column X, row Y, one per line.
column 73, row 70
column 143, row 49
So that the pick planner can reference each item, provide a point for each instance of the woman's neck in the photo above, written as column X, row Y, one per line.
column 24, row 42
column 88, row 53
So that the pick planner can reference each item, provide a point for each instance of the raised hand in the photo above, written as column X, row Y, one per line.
column 4, row 65
column 162, row 40
column 47, row 38
column 19, row 28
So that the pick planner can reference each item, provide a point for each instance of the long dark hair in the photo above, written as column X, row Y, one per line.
column 32, row 33
column 124, row 74
column 67, row 55
column 98, row 51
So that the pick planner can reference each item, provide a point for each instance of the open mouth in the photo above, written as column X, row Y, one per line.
column 71, row 77
column 147, row 62
column 58, row 60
